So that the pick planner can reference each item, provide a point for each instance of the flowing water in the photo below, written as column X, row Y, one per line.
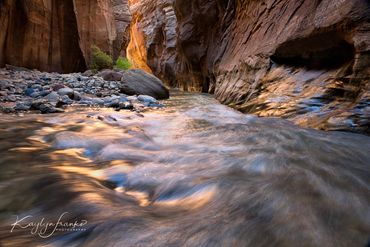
column 195, row 173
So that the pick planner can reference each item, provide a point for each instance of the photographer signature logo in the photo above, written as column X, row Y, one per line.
column 46, row 229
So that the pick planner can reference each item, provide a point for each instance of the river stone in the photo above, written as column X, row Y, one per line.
column 29, row 91
column 44, row 93
column 11, row 98
column 110, row 75
column 132, row 98
column 66, row 100
column 125, row 106
column 97, row 101
column 35, row 94
column 3, row 84
column 139, row 82
column 48, row 108
column 57, row 87
column 22, row 106
column 52, row 97
column 146, row 99
column 66, row 91
column 76, row 96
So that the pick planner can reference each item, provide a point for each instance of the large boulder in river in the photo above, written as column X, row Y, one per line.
column 110, row 75
column 139, row 82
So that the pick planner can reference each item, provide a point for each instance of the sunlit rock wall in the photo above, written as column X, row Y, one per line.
column 153, row 38
column 306, row 60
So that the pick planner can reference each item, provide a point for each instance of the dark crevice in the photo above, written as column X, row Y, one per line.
column 323, row 51
column 72, row 57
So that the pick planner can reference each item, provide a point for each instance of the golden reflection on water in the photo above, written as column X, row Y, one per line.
column 193, row 174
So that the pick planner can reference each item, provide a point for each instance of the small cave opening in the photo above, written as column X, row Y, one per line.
column 323, row 51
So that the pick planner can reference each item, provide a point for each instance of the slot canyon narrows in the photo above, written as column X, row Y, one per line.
column 204, row 123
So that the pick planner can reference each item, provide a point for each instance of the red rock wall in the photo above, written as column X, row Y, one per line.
column 56, row 35
column 39, row 35
column 267, row 57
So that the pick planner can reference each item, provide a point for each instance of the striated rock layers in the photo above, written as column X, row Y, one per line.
column 153, row 38
column 56, row 35
column 304, row 60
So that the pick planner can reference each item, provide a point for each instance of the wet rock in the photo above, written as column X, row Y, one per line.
column 29, row 91
column 76, row 96
column 37, row 87
column 11, row 98
column 22, row 106
column 66, row 91
column 97, row 101
column 44, row 93
column 110, row 75
column 3, row 84
column 35, row 105
column 47, row 108
column 57, row 87
column 132, row 98
column 52, row 97
column 125, row 106
column 136, row 82
column 155, row 105
column 7, row 109
column 146, row 99
column 35, row 94
column 113, row 103
column 87, row 102
column 3, row 93
column 65, row 100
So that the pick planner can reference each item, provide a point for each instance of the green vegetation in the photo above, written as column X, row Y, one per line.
column 100, row 60
column 123, row 63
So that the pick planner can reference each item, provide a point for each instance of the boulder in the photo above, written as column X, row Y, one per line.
column 139, row 82
column 110, row 75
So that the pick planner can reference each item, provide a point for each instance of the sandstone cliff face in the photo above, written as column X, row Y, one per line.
column 56, row 35
column 154, row 37
column 307, row 60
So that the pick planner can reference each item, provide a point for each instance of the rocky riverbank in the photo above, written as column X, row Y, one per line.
column 27, row 90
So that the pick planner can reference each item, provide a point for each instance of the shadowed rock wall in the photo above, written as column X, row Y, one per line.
column 56, row 35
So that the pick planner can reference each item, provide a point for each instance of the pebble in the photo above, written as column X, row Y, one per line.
column 47, row 92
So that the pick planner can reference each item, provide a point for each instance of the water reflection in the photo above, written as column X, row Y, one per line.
column 193, row 174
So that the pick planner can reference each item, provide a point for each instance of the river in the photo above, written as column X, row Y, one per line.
column 195, row 173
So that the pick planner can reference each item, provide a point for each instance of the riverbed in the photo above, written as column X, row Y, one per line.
column 194, row 173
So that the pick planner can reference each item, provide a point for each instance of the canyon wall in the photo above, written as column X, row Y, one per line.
column 304, row 60
column 57, row 35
